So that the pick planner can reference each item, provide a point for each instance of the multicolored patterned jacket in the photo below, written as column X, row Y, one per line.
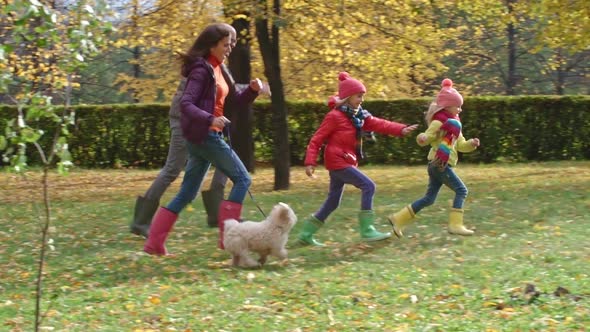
column 435, row 136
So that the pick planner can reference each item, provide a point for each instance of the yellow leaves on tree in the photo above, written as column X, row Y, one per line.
column 560, row 26
column 398, row 48
column 154, row 35
column 389, row 45
column 392, row 46
column 38, row 51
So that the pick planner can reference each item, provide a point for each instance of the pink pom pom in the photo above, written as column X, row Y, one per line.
column 447, row 83
column 343, row 76
column 333, row 101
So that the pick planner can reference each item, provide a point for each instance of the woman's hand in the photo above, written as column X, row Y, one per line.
column 309, row 170
column 409, row 129
column 220, row 122
column 265, row 91
column 256, row 84
column 475, row 142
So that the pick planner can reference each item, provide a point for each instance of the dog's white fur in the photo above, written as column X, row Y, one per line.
column 268, row 237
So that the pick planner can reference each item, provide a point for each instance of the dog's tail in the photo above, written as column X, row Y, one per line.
column 229, row 223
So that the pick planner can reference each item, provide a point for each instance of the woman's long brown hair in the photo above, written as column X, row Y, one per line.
column 207, row 39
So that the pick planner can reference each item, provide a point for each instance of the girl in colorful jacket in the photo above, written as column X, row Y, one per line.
column 341, row 131
column 445, row 138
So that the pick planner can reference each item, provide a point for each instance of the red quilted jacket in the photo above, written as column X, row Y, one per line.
column 339, row 134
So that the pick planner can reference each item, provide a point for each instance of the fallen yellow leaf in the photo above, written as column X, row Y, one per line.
column 362, row 294
column 154, row 300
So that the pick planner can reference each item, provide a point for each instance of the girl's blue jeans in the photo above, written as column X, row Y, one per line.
column 338, row 178
column 214, row 150
column 436, row 178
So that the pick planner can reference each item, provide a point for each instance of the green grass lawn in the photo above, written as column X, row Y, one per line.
column 531, row 223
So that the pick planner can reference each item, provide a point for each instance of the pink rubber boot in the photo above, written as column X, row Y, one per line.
column 161, row 225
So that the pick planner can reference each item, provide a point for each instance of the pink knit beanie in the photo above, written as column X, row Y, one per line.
column 448, row 96
column 348, row 86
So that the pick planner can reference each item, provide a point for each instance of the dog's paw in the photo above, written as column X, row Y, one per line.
column 250, row 266
column 247, row 262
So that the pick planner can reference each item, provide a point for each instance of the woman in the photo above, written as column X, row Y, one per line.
column 202, row 123
column 146, row 205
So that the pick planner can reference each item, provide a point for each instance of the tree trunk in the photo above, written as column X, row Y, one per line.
column 269, row 47
column 511, row 32
column 242, row 119
column 561, row 75
column 136, row 52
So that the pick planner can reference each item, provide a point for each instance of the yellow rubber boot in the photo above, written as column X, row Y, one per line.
column 401, row 219
column 456, row 223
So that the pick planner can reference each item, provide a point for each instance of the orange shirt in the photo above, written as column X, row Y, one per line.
column 222, row 89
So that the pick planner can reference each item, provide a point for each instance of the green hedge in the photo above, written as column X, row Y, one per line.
column 525, row 128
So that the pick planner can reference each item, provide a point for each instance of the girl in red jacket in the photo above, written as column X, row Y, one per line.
column 341, row 131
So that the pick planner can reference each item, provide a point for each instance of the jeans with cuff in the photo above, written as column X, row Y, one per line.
column 214, row 150
column 436, row 178
column 175, row 163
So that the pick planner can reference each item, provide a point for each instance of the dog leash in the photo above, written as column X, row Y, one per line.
column 228, row 125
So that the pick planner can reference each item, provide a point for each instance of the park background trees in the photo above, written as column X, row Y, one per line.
column 399, row 48
column 60, row 52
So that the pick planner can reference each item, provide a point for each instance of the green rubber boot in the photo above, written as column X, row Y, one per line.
column 310, row 226
column 367, row 230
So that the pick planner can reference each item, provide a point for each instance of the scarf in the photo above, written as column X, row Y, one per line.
column 451, row 129
column 357, row 117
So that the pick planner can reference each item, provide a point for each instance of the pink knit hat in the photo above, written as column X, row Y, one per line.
column 348, row 86
column 448, row 96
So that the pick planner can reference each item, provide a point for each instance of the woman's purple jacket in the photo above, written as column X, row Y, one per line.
column 197, row 103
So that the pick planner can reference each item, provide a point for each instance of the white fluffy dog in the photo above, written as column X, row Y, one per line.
column 265, row 238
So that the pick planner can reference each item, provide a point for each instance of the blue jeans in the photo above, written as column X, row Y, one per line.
column 175, row 162
column 338, row 178
column 214, row 150
column 436, row 179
